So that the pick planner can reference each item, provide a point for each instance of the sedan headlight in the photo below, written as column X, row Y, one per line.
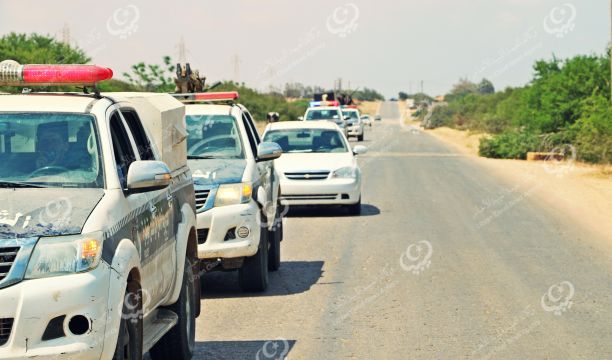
column 233, row 194
column 65, row 255
column 345, row 173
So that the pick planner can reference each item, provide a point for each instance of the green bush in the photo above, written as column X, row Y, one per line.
column 509, row 145
column 441, row 115
column 593, row 139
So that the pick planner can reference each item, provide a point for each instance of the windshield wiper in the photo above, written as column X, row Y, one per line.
column 16, row 184
column 196, row 157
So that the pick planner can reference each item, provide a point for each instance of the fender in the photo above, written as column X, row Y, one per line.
column 188, row 222
column 125, row 260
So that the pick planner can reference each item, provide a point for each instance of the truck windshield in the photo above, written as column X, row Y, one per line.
column 307, row 140
column 323, row 115
column 49, row 150
column 213, row 136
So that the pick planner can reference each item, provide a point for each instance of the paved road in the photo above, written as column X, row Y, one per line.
column 446, row 262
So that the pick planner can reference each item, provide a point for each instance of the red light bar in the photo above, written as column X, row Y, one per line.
column 12, row 73
column 211, row 96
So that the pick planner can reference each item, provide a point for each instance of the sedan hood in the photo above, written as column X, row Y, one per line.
column 313, row 161
column 217, row 171
column 37, row 212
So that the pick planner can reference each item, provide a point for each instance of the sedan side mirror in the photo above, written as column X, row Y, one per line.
column 360, row 150
column 145, row 176
column 268, row 151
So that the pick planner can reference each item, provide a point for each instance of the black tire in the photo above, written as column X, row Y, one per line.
column 179, row 343
column 276, row 235
column 360, row 137
column 253, row 276
column 129, row 340
column 354, row 209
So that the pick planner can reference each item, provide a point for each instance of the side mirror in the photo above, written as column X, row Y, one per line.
column 300, row 118
column 145, row 176
column 268, row 151
column 360, row 150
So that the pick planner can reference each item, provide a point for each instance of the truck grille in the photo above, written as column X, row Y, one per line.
column 307, row 175
column 311, row 197
column 7, row 258
column 6, row 325
column 201, row 196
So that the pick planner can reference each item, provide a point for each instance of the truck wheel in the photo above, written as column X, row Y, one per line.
column 179, row 343
column 274, row 255
column 253, row 276
column 354, row 209
column 129, row 341
column 360, row 137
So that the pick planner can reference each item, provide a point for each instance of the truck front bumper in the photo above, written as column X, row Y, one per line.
column 34, row 304
column 220, row 230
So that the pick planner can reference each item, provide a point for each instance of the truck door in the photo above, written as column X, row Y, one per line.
column 161, row 233
column 265, row 168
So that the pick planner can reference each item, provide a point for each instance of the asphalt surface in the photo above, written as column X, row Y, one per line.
column 447, row 261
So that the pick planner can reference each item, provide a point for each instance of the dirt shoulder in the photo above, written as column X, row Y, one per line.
column 582, row 191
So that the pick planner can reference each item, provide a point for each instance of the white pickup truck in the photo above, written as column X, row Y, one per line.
column 98, row 244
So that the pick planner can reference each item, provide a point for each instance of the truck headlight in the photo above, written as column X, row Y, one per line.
column 65, row 255
column 233, row 194
column 345, row 173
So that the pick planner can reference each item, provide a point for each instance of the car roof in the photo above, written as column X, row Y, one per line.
column 47, row 102
column 318, row 124
column 324, row 108
column 208, row 109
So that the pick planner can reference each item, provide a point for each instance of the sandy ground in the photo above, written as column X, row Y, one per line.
column 369, row 107
column 582, row 191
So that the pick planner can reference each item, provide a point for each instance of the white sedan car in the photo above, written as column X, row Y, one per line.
column 318, row 166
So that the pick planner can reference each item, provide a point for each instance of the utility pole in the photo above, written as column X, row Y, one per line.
column 66, row 34
column 236, row 68
column 423, row 83
column 182, row 51
column 611, row 51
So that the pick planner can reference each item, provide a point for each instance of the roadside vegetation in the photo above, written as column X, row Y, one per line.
column 566, row 104
column 41, row 49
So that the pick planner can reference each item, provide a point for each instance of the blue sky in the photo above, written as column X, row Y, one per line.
column 387, row 45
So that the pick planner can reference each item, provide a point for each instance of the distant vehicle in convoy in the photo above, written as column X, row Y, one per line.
column 378, row 118
column 366, row 120
column 239, row 223
column 317, row 167
column 97, row 234
column 329, row 111
column 354, row 124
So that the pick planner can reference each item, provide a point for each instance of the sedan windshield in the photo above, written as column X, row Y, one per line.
column 353, row 114
column 214, row 137
column 49, row 150
column 308, row 140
